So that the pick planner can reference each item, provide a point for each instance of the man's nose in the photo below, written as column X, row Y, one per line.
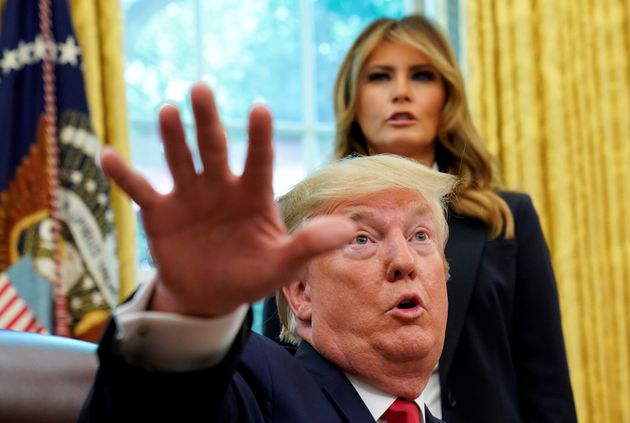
column 401, row 92
column 401, row 262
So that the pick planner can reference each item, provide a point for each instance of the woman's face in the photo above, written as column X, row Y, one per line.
column 399, row 99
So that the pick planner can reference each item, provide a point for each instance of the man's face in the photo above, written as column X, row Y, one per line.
column 381, row 299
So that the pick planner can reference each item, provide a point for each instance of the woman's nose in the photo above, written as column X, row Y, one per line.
column 401, row 91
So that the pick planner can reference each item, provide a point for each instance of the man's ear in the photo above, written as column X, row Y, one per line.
column 298, row 295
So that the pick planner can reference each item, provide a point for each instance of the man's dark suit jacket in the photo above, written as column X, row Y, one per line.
column 504, row 358
column 258, row 381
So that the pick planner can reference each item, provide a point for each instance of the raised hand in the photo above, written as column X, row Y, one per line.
column 217, row 239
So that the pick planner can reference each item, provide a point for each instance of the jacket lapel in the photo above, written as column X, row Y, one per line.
column 334, row 384
column 463, row 253
column 429, row 417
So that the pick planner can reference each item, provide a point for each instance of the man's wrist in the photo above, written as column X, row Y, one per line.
column 173, row 342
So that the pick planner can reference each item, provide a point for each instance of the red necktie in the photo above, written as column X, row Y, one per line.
column 402, row 411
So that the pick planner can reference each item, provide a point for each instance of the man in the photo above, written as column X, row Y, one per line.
column 362, row 274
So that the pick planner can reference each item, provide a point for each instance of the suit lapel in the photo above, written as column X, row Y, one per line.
column 334, row 384
column 463, row 253
column 429, row 417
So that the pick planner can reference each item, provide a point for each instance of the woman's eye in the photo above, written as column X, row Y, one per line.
column 424, row 75
column 421, row 236
column 361, row 239
column 378, row 76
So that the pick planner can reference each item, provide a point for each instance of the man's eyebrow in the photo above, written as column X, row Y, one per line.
column 361, row 213
column 423, row 208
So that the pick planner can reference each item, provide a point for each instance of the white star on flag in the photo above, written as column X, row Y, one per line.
column 69, row 52
column 28, row 53
column 10, row 61
column 25, row 53
column 39, row 48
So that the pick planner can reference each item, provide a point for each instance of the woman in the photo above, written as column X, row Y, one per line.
column 399, row 90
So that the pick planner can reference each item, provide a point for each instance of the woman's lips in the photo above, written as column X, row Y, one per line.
column 401, row 119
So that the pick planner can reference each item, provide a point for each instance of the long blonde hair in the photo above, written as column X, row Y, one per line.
column 460, row 150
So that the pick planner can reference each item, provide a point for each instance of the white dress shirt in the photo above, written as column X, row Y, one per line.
column 172, row 342
column 377, row 401
column 433, row 394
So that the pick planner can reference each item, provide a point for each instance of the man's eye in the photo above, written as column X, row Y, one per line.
column 361, row 239
column 421, row 236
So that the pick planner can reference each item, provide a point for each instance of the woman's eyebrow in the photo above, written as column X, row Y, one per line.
column 387, row 67
column 422, row 66
column 377, row 66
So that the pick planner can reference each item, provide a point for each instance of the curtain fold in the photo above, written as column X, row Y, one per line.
column 98, row 24
column 550, row 91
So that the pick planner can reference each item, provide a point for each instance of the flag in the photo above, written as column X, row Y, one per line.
column 58, row 261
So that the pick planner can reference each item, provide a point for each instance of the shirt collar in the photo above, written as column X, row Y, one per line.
column 377, row 401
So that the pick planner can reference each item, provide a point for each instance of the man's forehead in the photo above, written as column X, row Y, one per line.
column 365, row 212
column 372, row 206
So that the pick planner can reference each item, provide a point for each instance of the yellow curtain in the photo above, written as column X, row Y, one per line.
column 98, row 25
column 550, row 89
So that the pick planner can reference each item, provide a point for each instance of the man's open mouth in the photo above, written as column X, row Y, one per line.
column 407, row 304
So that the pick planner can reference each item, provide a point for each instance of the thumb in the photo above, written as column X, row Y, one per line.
column 317, row 236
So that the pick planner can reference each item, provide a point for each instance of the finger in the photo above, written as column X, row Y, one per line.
column 134, row 184
column 178, row 155
column 318, row 236
column 210, row 134
column 258, row 172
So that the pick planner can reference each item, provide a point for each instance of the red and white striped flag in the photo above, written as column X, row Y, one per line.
column 14, row 313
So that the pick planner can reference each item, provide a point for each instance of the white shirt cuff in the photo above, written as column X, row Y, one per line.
column 173, row 342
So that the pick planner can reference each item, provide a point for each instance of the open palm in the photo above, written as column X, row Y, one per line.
column 217, row 239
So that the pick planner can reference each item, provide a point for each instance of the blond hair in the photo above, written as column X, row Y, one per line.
column 460, row 150
column 353, row 178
